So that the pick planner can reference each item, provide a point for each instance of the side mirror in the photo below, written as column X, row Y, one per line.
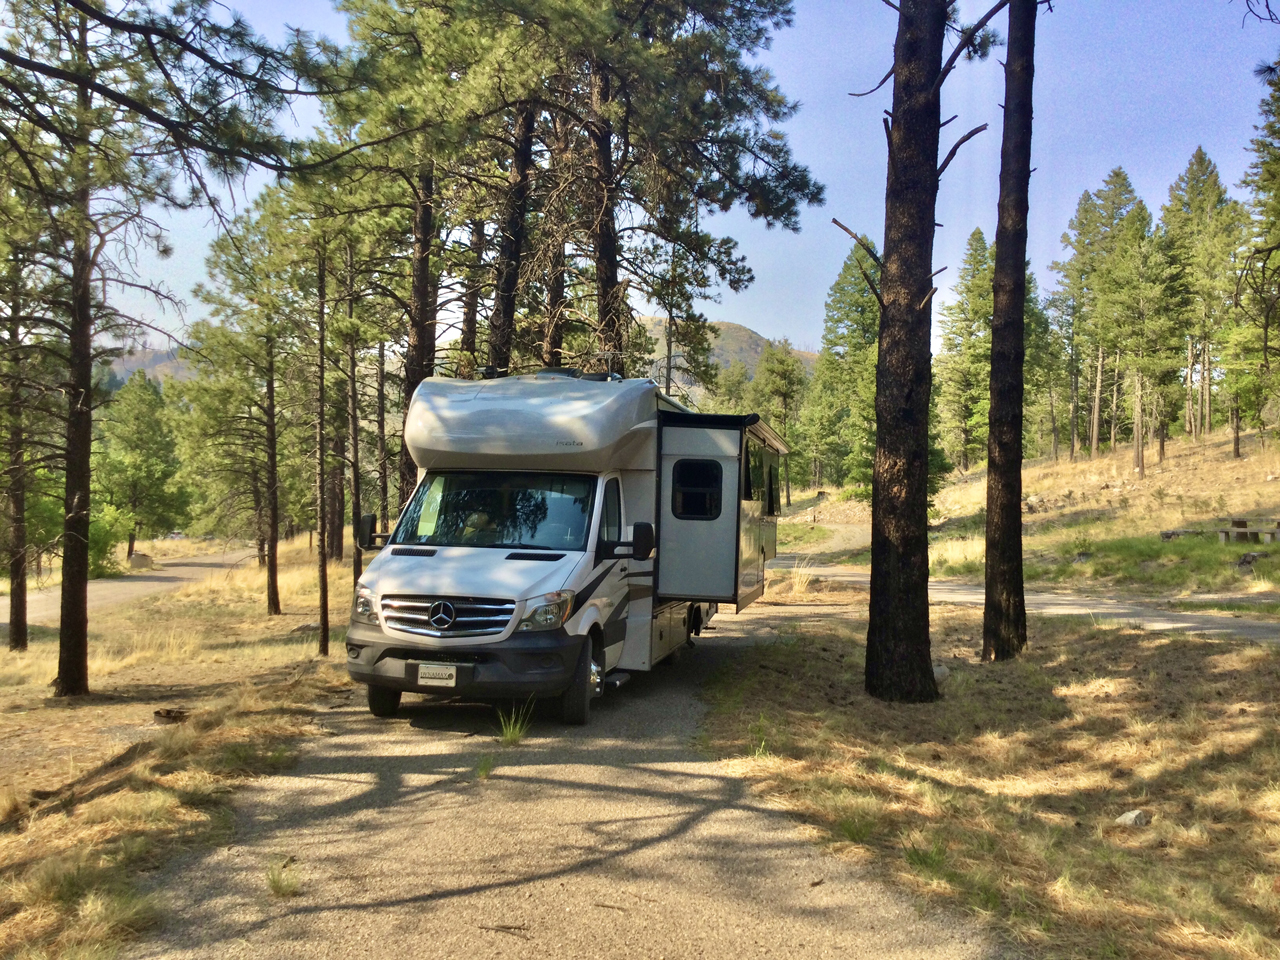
column 642, row 540
column 364, row 535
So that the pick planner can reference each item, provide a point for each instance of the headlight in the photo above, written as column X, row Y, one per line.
column 362, row 609
column 547, row 612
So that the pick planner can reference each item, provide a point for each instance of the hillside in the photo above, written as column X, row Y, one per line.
column 157, row 364
column 735, row 342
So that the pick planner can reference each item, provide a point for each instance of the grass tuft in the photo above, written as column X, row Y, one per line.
column 515, row 722
column 485, row 766
column 283, row 881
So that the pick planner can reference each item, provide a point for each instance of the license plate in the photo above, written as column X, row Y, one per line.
column 437, row 675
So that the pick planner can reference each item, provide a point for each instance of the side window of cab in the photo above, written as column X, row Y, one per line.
column 611, row 514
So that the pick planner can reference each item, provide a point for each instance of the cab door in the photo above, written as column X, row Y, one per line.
column 613, row 588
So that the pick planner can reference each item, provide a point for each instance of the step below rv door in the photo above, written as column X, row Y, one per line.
column 698, row 512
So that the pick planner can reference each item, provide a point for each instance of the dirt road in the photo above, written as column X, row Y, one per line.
column 1150, row 617
column 614, row 840
column 43, row 606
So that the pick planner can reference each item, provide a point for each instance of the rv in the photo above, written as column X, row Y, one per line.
column 566, row 530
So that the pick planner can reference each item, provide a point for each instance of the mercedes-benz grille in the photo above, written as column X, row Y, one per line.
column 447, row 616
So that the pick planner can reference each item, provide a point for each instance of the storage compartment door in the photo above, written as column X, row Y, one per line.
column 698, row 513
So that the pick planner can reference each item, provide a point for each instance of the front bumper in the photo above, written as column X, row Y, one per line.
column 531, row 664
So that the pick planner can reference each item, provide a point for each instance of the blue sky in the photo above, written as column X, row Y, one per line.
column 1132, row 83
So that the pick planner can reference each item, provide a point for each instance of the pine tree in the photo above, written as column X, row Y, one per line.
column 137, row 465
column 964, row 364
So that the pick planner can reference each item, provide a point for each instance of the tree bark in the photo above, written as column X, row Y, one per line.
column 73, row 630
column 467, row 362
column 383, row 485
column 557, row 305
column 611, row 304
column 273, row 484
column 420, row 345
column 511, row 234
column 1004, row 617
column 16, row 480
column 321, row 478
column 1095, row 425
column 898, row 657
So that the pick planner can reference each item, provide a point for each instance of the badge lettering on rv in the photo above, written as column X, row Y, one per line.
column 568, row 443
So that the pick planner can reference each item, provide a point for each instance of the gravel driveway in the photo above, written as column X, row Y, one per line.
column 614, row 840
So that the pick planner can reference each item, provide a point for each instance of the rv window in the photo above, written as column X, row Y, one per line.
column 695, row 489
column 611, row 520
column 773, row 510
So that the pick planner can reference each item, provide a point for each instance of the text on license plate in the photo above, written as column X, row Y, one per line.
column 437, row 675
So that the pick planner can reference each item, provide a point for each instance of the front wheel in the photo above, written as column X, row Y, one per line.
column 575, row 702
column 383, row 701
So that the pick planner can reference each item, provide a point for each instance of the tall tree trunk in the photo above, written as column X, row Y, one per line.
column 1189, row 419
column 1053, row 426
column 898, row 656
column 420, row 344
column 353, row 435
column 610, row 296
column 1004, row 616
column 73, row 630
column 511, row 233
column 1139, row 437
column 16, row 481
column 1095, row 424
column 337, row 519
column 1075, row 403
column 1115, row 400
column 321, row 473
column 1235, row 427
column 383, row 486
column 259, row 518
column 1162, row 434
column 273, row 484
column 557, row 306
column 1206, row 390
column 467, row 362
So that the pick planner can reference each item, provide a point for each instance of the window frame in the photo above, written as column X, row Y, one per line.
column 678, row 489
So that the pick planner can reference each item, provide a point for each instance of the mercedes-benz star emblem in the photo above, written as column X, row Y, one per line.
column 442, row 615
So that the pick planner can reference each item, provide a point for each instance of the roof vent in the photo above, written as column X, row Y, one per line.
column 571, row 372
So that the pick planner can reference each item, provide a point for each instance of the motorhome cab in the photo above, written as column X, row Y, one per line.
column 564, row 531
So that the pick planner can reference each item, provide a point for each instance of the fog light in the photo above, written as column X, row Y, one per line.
column 353, row 652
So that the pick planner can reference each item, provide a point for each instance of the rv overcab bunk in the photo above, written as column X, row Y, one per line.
column 564, row 532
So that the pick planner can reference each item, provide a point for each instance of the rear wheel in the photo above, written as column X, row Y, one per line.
column 383, row 701
column 575, row 702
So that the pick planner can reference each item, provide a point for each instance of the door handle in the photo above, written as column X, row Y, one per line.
column 622, row 569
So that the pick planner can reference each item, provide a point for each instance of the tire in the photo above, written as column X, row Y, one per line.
column 575, row 702
column 383, row 701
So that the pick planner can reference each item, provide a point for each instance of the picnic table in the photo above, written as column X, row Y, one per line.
column 1248, row 529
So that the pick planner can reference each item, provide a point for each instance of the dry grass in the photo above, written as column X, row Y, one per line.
column 222, row 618
column 1094, row 521
column 800, row 585
column 68, row 864
column 1002, row 796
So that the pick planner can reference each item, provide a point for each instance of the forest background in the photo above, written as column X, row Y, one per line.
column 493, row 189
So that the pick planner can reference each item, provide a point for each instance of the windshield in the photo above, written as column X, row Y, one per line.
column 540, row 511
